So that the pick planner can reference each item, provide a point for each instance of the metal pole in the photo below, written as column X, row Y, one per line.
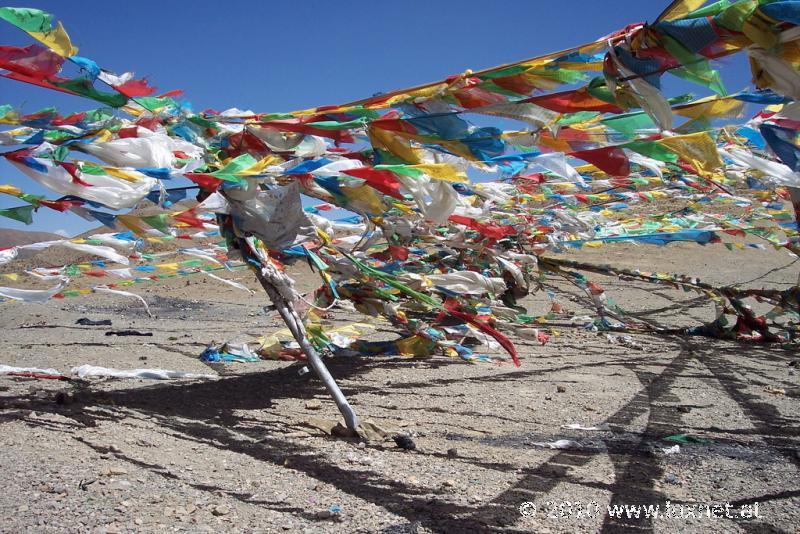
column 265, row 276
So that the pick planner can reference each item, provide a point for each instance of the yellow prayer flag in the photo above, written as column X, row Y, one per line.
column 10, row 190
column 133, row 223
column 698, row 149
column 711, row 107
column 678, row 9
column 442, row 171
column 56, row 40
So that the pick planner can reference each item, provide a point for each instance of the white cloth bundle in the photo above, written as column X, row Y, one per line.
column 32, row 295
column 149, row 149
column 777, row 173
column 93, row 371
column 468, row 282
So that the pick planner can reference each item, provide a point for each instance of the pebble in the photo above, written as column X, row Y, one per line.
column 671, row 479
column 114, row 471
column 404, row 442
column 220, row 509
column 561, row 389
column 452, row 453
column 313, row 404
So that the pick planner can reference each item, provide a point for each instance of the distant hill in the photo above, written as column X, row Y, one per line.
column 9, row 237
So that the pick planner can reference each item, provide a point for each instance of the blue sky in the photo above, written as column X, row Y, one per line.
column 281, row 56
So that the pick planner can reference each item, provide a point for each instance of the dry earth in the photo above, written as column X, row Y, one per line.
column 233, row 454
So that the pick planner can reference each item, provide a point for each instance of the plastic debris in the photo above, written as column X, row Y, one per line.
column 128, row 333
column 31, row 372
column 93, row 371
column 577, row 426
column 687, row 438
column 675, row 449
column 559, row 444
column 84, row 321
column 229, row 352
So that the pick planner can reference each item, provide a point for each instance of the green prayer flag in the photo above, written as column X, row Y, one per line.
column 654, row 150
column 159, row 222
column 27, row 19
column 628, row 123
column 85, row 88
column 405, row 170
column 22, row 213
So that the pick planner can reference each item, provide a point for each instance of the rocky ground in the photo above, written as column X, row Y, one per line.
column 235, row 454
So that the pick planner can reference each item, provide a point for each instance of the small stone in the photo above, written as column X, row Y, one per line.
column 561, row 389
column 450, row 483
column 671, row 479
column 404, row 442
column 114, row 448
column 138, row 521
column 452, row 453
column 362, row 445
column 115, row 471
column 324, row 514
column 220, row 509
column 313, row 404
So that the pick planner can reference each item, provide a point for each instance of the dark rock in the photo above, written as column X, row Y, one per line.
column 404, row 442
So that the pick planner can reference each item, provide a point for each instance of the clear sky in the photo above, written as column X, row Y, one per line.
column 280, row 56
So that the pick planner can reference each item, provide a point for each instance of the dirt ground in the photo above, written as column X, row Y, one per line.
column 233, row 454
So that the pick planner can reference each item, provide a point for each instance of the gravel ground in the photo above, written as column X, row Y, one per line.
column 234, row 453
